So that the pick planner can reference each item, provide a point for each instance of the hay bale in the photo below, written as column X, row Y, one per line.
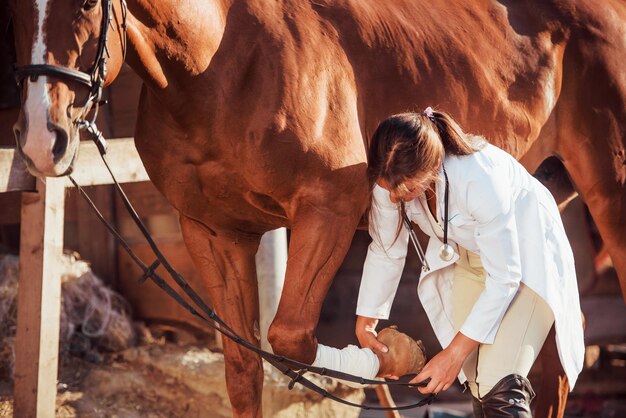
column 93, row 317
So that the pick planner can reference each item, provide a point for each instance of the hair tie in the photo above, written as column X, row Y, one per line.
column 428, row 112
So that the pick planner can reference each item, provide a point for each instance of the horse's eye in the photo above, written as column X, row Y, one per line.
column 89, row 4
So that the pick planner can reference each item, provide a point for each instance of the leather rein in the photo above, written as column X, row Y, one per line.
column 94, row 80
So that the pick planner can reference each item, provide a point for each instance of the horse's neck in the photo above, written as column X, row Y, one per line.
column 170, row 39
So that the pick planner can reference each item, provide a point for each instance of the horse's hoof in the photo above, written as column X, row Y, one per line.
column 405, row 355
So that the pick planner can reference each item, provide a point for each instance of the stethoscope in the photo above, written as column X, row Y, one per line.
column 446, row 252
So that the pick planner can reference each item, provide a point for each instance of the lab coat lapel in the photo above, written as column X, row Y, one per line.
column 432, row 256
column 435, row 291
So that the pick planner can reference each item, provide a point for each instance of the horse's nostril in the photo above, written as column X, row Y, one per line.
column 60, row 144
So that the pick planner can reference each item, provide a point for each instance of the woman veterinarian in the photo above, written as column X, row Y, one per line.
column 498, row 269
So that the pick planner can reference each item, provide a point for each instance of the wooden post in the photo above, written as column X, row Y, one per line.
column 39, row 300
column 271, row 263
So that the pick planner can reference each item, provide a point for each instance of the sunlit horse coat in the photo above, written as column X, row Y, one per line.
column 501, row 212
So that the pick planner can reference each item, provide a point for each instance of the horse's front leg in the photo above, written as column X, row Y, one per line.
column 320, row 238
column 227, row 266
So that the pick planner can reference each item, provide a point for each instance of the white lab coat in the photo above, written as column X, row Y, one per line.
column 497, row 209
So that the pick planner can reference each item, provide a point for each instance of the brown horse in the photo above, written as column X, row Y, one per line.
column 256, row 114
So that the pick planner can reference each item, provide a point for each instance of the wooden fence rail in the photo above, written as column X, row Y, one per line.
column 41, row 247
column 88, row 169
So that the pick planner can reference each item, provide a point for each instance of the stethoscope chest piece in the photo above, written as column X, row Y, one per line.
column 446, row 252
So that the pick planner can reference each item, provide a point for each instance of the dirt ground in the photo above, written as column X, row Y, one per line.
column 170, row 380
column 167, row 380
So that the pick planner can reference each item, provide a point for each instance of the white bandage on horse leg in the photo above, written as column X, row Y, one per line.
column 351, row 359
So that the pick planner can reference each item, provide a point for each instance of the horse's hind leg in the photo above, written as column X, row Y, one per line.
column 600, row 182
column 591, row 118
column 228, row 269
column 554, row 388
column 591, row 115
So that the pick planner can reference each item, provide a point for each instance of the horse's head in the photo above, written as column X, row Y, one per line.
column 66, row 50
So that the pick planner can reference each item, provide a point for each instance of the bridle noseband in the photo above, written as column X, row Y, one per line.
column 94, row 79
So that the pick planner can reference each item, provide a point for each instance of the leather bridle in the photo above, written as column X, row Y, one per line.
column 93, row 80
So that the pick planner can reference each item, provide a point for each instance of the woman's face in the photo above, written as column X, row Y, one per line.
column 408, row 190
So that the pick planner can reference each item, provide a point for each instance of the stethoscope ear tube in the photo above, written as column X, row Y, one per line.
column 446, row 252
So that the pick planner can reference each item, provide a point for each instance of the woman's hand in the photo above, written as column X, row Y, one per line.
column 442, row 370
column 446, row 365
column 366, row 334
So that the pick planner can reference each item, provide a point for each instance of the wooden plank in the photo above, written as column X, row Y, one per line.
column 39, row 300
column 89, row 170
column 14, row 175
column 146, row 199
column 122, row 156
column 95, row 242
column 149, row 302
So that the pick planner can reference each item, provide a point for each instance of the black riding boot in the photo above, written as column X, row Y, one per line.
column 509, row 398
column 478, row 408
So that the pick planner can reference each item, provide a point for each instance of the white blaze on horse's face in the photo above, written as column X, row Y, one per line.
column 38, row 140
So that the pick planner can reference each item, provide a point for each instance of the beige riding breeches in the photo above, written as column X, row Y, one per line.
column 519, row 339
